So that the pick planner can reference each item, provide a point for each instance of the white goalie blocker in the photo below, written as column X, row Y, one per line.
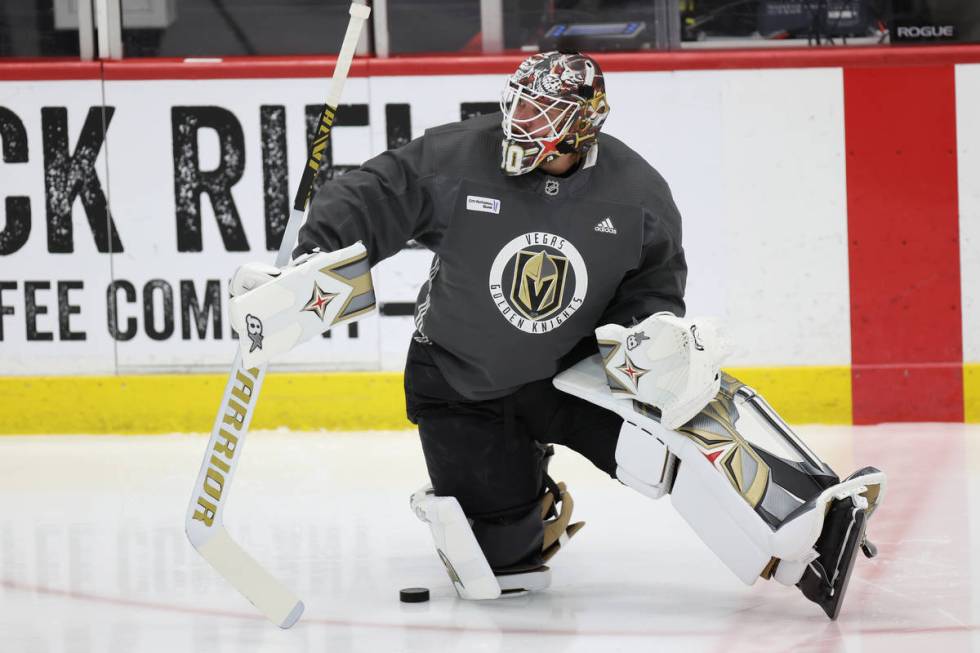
column 720, row 465
column 312, row 294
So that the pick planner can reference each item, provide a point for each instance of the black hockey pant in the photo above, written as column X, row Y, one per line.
column 491, row 455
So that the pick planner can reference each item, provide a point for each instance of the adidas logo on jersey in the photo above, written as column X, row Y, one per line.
column 606, row 227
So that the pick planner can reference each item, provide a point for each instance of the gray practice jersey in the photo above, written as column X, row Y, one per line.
column 525, row 267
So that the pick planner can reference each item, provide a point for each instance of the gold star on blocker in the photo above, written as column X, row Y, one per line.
column 318, row 301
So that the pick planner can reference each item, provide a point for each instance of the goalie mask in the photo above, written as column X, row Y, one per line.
column 555, row 103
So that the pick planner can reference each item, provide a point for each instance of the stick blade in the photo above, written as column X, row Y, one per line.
column 266, row 593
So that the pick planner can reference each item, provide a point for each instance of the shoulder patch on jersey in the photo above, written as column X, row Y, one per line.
column 482, row 204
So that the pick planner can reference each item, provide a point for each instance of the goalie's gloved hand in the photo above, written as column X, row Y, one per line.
column 251, row 275
column 669, row 362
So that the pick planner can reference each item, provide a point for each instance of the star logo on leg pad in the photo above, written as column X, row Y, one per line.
column 318, row 301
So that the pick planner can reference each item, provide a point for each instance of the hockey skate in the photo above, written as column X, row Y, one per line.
column 558, row 530
column 517, row 581
column 826, row 578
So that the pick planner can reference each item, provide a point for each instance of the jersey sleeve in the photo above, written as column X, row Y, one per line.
column 384, row 204
column 658, row 282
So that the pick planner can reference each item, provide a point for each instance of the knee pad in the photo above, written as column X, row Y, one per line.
column 643, row 461
column 510, row 539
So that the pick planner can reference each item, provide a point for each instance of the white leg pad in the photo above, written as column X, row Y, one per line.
column 456, row 545
column 701, row 495
column 719, row 482
column 724, row 527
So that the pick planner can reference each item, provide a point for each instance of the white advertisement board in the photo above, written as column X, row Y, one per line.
column 123, row 225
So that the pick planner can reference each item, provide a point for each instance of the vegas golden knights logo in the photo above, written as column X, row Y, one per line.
column 539, row 283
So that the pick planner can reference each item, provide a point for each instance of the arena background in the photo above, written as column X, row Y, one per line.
column 831, row 203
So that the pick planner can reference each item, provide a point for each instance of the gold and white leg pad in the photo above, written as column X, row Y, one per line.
column 720, row 470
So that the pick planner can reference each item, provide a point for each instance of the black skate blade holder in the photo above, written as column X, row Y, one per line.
column 828, row 576
column 868, row 548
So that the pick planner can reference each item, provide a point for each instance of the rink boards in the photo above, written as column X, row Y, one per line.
column 831, row 215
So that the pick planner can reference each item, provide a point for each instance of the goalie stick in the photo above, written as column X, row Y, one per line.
column 203, row 524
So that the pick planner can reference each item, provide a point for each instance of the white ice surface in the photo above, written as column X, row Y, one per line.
column 93, row 556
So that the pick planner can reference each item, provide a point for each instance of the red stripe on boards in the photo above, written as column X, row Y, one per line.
column 54, row 69
column 903, row 230
column 302, row 66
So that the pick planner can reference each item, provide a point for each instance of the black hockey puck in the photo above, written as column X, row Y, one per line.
column 414, row 595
